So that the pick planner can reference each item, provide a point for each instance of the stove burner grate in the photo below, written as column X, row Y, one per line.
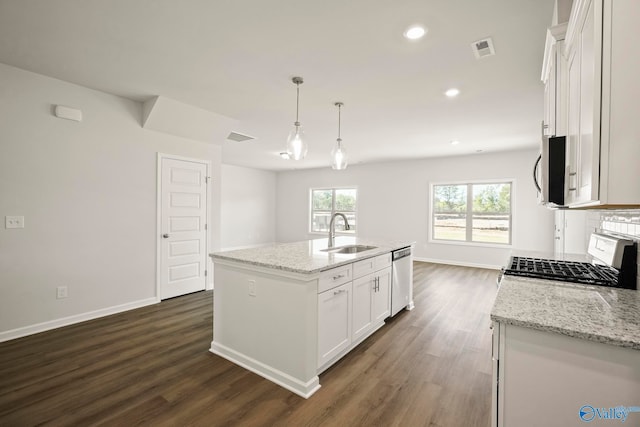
column 568, row 271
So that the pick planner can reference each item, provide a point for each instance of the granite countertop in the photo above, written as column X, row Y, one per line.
column 307, row 257
column 595, row 313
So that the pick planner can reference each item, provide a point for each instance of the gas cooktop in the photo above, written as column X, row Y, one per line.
column 615, row 261
column 567, row 271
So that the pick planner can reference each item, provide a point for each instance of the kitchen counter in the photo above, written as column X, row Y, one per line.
column 594, row 313
column 307, row 257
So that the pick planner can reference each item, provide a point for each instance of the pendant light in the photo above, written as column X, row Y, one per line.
column 339, row 154
column 296, row 144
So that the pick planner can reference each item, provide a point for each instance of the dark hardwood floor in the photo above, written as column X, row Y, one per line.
column 151, row 366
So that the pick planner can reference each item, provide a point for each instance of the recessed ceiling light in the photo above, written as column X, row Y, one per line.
column 415, row 32
column 455, row 142
column 452, row 92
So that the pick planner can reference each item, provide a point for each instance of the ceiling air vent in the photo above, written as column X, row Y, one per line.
column 482, row 48
column 239, row 137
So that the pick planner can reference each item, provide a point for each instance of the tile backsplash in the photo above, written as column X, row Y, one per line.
column 622, row 222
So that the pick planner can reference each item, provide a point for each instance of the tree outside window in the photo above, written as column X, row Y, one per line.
column 327, row 201
column 472, row 212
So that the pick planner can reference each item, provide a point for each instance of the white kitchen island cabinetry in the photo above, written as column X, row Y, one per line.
column 287, row 312
column 603, row 132
column 565, row 354
column 334, row 323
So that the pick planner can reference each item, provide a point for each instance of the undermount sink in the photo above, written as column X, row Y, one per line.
column 349, row 249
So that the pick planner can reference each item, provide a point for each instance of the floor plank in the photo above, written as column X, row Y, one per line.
column 151, row 366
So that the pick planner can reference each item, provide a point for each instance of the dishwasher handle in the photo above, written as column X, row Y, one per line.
column 401, row 253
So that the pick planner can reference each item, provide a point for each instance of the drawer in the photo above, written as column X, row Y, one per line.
column 364, row 267
column 334, row 277
column 383, row 261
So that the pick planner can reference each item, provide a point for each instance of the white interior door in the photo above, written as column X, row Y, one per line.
column 183, row 226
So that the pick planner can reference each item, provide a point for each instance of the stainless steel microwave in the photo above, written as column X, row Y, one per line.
column 549, row 170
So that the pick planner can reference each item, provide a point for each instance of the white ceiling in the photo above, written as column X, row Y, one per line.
column 237, row 57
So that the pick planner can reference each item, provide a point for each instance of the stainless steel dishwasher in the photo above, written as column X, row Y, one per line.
column 402, row 279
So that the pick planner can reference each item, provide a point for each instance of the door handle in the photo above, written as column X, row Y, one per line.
column 166, row 236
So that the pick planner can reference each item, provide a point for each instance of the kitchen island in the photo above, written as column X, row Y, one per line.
column 289, row 311
column 564, row 353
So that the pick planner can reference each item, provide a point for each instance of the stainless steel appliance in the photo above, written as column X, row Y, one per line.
column 614, row 264
column 402, row 279
column 549, row 171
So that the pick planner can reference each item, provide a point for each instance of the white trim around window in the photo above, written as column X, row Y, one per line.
column 351, row 214
column 469, row 214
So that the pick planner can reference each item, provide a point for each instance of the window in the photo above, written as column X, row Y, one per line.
column 327, row 201
column 472, row 212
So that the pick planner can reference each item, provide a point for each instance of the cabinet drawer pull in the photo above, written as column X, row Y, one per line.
column 339, row 291
column 339, row 276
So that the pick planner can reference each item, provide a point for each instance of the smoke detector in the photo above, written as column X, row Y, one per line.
column 483, row 48
column 239, row 137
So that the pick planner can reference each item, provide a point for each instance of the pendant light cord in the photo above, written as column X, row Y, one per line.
column 297, row 123
column 339, row 139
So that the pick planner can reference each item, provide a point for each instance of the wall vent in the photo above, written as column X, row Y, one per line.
column 239, row 137
column 483, row 48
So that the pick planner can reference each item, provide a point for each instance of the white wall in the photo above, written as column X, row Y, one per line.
column 393, row 203
column 248, row 207
column 88, row 194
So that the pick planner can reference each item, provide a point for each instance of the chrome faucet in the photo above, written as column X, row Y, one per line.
column 332, row 227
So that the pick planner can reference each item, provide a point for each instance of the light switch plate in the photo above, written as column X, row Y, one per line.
column 13, row 221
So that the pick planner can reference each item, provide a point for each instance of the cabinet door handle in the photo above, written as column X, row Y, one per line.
column 339, row 291
column 339, row 276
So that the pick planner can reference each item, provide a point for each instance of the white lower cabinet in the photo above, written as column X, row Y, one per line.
column 334, row 322
column 548, row 379
column 381, row 300
column 349, row 313
column 371, row 302
column 363, row 291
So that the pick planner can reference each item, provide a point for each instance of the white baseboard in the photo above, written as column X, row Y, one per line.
column 459, row 263
column 301, row 388
column 76, row 318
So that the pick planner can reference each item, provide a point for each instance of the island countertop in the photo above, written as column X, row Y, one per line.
column 595, row 313
column 308, row 257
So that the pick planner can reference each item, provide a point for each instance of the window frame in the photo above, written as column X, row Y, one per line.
column 333, row 209
column 469, row 213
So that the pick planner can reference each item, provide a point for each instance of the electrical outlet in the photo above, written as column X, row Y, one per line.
column 13, row 221
column 62, row 292
column 252, row 288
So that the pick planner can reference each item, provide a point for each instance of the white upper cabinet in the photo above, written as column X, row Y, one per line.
column 603, row 130
column 554, row 77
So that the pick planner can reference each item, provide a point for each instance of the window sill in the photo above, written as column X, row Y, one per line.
column 473, row 244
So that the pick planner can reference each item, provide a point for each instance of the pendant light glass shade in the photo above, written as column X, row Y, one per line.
column 296, row 144
column 339, row 158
